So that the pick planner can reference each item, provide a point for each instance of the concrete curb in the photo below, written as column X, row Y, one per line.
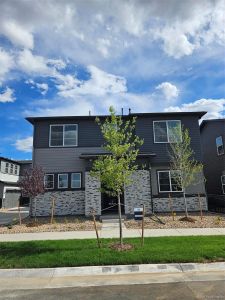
column 112, row 270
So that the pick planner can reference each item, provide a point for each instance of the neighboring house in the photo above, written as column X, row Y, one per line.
column 213, row 139
column 10, row 172
column 65, row 148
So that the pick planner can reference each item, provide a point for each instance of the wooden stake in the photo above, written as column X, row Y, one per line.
column 96, row 230
column 19, row 212
column 53, row 207
column 143, row 222
column 200, row 206
column 171, row 207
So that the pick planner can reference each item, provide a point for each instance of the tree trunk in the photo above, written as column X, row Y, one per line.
column 35, row 209
column 120, row 220
column 185, row 204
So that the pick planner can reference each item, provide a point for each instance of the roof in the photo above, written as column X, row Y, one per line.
column 25, row 161
column 204, row 122
column 97, row 154
column 200, row 114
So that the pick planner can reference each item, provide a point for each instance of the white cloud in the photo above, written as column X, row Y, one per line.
column 7, row 96
column 43, row 87
column 6, row 63
column 18, row 35
column 215, row 108
column 25, row 144
column 100, row 83
column 169, row 90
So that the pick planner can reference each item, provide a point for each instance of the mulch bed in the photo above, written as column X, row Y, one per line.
column 209, row 220
column 69, row 223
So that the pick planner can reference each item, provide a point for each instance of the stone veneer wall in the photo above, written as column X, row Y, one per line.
column 163, row 204
column 138, row 192
column 92, row 195
column 66, row 203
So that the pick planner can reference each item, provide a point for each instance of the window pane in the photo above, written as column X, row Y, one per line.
column 6, row 167
column 175, row 181
column 223, row 179
column 63, row 181
column 76, row 180
column 70, row 135
column 11, row 168
column 160, row 131
column 49, row 181
column 219, row 145
column 164, row 181
column 57, row 135
column 174, row 131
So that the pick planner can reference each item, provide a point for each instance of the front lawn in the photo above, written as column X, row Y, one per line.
column 70, row 253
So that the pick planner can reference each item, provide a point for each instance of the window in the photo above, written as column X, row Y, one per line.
column 63, row 135
column 6, row 167
column 76, row 180
column 63, row 181
column 11, row 168
column 167, row 181
column 49, row 181
column 219, row 145
column 16, row 170
column 223, row 183
column 167, row 131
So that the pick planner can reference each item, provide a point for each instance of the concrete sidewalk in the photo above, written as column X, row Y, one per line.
column 110, row 232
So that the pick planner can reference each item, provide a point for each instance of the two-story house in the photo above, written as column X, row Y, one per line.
column 212, row 139
column 10, row 172
column 65, row 148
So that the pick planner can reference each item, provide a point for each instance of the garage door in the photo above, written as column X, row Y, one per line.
column 11, row 198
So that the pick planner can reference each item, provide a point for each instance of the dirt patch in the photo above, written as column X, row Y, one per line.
column 43, row 224
column 123, row 247
column 209, row 220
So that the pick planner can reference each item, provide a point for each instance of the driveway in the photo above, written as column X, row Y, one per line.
column 180, row 290
column 9, row 216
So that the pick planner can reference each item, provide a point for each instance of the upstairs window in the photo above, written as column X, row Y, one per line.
column 11, row 168
column 63, row 135
column 223, row 183
column 167, row 181
column 76, row 180
column 16, row 170
column 167, row 131
column 219, row 145
column 49, row 181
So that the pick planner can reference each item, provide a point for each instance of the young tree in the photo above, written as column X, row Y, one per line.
column 114, row 170
column 32, row 184
column 185, row 169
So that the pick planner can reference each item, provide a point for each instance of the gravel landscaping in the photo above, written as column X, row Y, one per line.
column 209, row 220
column 69, row 223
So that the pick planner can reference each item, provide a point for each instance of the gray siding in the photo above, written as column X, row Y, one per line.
column 214, row 165
column 89, row 134
column 56, row 160
column 144, row 129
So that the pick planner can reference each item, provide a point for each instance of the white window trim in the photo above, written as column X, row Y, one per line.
column 219, row 154
column 162, row 171
column 163, row 121
column 223, row 185
column 63, row 125
column 53, row 181
column 72, row 180
column 67, row 181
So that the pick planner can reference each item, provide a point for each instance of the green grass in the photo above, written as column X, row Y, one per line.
column 68, row 253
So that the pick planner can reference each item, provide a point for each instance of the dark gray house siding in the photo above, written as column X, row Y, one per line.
column 144, row 189
column 214, row 165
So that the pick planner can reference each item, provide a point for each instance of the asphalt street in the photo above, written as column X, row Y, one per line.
column 181, row 290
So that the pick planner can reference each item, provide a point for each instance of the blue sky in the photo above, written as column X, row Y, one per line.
column 69, row 57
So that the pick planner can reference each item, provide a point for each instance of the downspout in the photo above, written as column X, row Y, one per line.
column 150, row 182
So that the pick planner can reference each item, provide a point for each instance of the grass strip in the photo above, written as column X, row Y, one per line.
column 71, row 253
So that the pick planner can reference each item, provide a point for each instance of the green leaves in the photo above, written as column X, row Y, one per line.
column 114, row 170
